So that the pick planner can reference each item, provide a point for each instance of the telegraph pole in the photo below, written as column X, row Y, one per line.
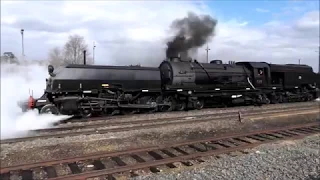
column 93, row 48
column 22, row 30
column 207, row 49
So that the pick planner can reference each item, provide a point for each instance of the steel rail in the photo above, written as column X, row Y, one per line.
column 229, row 143
column 122, row 129
column 133, row 122
column 239, row 108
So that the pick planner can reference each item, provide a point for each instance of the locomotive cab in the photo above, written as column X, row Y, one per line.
column 260, row 73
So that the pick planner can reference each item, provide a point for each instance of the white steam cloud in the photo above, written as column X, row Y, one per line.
column 16, row 80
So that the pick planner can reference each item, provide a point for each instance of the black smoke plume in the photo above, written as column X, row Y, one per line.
column 192, row 32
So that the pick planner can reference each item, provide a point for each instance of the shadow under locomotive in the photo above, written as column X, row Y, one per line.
column 177, row 84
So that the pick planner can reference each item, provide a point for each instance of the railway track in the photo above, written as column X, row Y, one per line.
column 162, row 120
column 148, row 124
column 231, row 109
column 154, row 158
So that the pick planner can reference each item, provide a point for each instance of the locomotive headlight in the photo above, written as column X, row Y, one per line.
column 189, row 92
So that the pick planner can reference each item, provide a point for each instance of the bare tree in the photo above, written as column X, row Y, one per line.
column 73, row 50
column 71, row 53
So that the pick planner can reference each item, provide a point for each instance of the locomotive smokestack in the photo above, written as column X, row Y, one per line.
column 84, row 57
column 192, row 32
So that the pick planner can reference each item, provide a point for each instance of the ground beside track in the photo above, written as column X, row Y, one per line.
column 298, row 159
column 173, row 114
column 40, row 150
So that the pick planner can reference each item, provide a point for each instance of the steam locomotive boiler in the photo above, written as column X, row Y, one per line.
column 88, row 89
column 178, row 83
column 214, row 81
column 239, row 83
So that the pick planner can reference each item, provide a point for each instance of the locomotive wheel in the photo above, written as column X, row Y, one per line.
column 280, row 98
column 86, row 114
column 259, row 100
column 199, row 104
column 285, row 99
column 309, row 98
column 152, row 101
column 170, row 104
column 274, row 99
column 180, row 106
column 266, row 100
column 49, row 109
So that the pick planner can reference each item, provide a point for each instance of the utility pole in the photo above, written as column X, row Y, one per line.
column 94, row 46
column 299, row 61
column 22, row 30
column 207, row 53
column 319, row 60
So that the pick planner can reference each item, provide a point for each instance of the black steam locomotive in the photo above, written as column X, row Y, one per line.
column 177, row 84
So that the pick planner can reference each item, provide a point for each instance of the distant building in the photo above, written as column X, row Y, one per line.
column 9, row 58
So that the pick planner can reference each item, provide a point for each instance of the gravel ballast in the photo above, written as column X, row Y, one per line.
column 299, row 159
column 176, row 114
column 56, row 148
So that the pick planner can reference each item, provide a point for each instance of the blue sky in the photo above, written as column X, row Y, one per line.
column 259, row 12
column 253, row 30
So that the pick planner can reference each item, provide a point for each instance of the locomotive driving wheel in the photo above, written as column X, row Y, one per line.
column 309, row 97
column 49, row 109
column 265, row 99
column 199, row 104
column 169, row 103
column 153, row 102
column 86, row 114
column 274, row 98
column 280, row 98
column 180, row 106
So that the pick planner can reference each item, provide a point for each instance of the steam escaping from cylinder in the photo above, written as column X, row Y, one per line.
column 192, row 32
column 16, row 81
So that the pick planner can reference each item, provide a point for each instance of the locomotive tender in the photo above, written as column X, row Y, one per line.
column 177, row 84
